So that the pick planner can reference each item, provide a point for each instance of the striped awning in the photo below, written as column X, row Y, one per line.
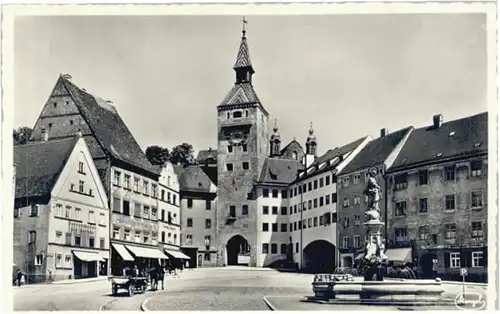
column 177, row 254
column 399, row 255
column 125, row 255
column 88, row 256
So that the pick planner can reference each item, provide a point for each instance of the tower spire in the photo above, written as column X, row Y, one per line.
column 243, row 65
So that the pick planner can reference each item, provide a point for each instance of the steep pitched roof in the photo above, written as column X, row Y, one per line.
column 243, row 58
column 331, row 159
column 242, row 93
column 192, row 178
column 375, row 152
column 39, row 164
column 206, row 154
column 110, row 130
column 293, row 142
column 453, row 139
column 279, row 171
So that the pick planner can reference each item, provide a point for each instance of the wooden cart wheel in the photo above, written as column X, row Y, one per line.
column 130, row 290
column 114, row 290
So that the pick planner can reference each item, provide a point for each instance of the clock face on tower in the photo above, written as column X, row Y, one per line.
column 236, row 137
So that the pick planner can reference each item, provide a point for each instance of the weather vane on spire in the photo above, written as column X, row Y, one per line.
column 244, row 21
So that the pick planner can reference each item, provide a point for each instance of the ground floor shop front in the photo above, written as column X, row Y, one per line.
column 125, row 256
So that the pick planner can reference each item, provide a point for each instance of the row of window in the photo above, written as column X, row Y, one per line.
column 274, row 248
column 81, row 188
column 168, row 239
column 449, row 174
column 356, row 179
column 33, row 211
column 477, row 258
column 311, row 222
column 145, row 189
column 314, row 203
column 139, row 236
column 236, row 114
column 400, row 208
column 208, row 239
column 190, row 223
column 80, row 240
column 75, row 213
column 244, row 165
column 208, row 204
column 313, row 185
column 476, row 232
column 230, row 148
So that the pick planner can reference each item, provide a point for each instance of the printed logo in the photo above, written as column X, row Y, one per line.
column 470, row 301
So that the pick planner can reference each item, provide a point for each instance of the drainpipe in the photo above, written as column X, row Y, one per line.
column 302, row 228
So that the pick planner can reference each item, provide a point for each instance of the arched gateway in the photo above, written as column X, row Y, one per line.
column 238, row 251
column 319, row 256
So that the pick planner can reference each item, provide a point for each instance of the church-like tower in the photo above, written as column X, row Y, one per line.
column 243, row 145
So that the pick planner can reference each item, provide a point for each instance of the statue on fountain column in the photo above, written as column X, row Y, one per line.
column 372, row 191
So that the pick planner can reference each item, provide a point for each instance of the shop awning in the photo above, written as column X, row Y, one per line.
column 125, row 255
column 88, row 256
column 139, row 251
column 399, row 255
column 177, row 254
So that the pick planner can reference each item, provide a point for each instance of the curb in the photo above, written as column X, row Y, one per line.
column 143, row 305
column 269, row 304
column 102, row 308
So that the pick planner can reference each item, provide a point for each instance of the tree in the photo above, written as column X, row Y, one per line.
column 182, row 154
column 157, row 155
column 22, row 135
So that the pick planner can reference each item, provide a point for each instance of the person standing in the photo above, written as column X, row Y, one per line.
column 161, row 276
column 18, row 278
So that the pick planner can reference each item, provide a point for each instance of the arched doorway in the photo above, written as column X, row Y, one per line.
column 428, row 265
column 319, row 257
column 238, row 251
column 347, row 261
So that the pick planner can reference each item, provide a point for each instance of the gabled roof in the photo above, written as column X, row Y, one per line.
column 279, row 171
column 206, row 154
column 38, row 165
column 241, row 93
column 110, row 130
column 193, row 179
column 376, row 152
column 331, row 159
column 243, row 58
column 453, row 139
column 293, row 142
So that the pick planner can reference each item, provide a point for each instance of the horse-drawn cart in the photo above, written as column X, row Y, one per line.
column 131, row 284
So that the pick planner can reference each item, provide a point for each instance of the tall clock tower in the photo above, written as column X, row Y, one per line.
column 243, row 137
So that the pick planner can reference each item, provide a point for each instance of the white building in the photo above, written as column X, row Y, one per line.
column 61, row 218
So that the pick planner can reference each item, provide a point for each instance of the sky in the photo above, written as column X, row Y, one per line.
column 350, row 75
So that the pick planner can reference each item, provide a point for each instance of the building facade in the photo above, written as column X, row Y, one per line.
column 437, row 198
column 61, row 216
column 129, row 179
column 380, row 153
column 198, row 205
column 313, row 207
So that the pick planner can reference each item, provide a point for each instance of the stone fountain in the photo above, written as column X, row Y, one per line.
column 372, row 289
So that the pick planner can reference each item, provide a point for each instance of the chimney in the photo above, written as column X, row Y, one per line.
column 45, row 135
column 437, row 121
column 383, row 132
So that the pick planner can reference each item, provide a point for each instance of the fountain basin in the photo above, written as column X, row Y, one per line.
column 383, row 292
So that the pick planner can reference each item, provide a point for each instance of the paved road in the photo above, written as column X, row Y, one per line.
column 200, row 289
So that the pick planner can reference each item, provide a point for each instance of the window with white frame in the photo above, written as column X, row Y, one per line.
column 345, row 182
column 401, row 181
column 67, row 214
column 346, row 222
column 59, row 210
column 400, row 209
column 476, row 168
column 189, row 238
column 126, row 180
column 357, row 220
column 145, row 212
column 146, row 238
column 477, row 229
column 346, row 202
column 59, row 260
column 357, row 200
column 449, row 202
column 356, row 178
column 154, row 190
column 423, row 232
column 477, row 199
column 154, row 213
column 401, row 234
column 78, row 212
column 127, row 235
column 146, row 187
column 357, row 241
column 116, row 233
column 477, row 259
column 81, row 186
column 455, row 260
column 450, row 231
column 136, row 184
column 67, row 260
column 59, row 238
column 32, row 236
column 81, row 167
column 138, row 237
column 449, row 173
column 116, row 178
column 345, row 242
column 102, row 219
column 154, row 239
column 34, row 210
column 38, row 260
column 91, row 216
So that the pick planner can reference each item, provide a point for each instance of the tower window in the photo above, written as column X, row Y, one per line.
column 246, row 113
column 230, row 149
column 50, row 126
column 246, row 166
column 237, row 114
column 71, row 122
column 55, row 105
column 229, row 167
column 229, row 115
column 244, row 147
